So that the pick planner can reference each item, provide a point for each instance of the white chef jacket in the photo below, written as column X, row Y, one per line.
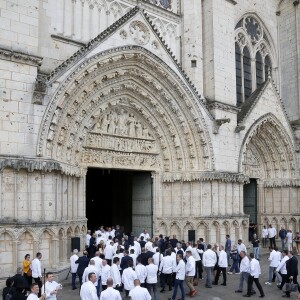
column 145, row 235
column 264, row 233
column 88, row 291
column 36, row 268
column 180, row 270
column 167, row 265
column 133, row 256
column 271, row 232
column 98, row 263
column 128, row 277
column 209, row 258
column 274, row 259
column 196, row 254
column 241, row 247
column 141, row 272
column 151, row 270
column 87, row 271
column 282, row 266
column 139, row 293
column 254, row 268
column 105, row 274
column 110, row 294
column 115, row 275
column 109, row 252
column 74, row 266
column 245, row 265
column 87, row 239
column 137, row 245
column 157, row 257
column 32, row 296
column 223, row 263
column 190, row 267
column 50, row 287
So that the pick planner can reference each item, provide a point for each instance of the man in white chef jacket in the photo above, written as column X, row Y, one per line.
column 51, row 287
column 88, row 290
column 110, row 293
column 74, row 267
column 138, row 292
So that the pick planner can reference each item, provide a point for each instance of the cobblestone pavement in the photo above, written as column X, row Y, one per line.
column 216, row 293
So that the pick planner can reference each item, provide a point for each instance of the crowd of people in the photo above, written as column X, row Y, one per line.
column 144, row 267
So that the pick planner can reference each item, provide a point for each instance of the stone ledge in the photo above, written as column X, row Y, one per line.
column 20, row 57
column 67, row 40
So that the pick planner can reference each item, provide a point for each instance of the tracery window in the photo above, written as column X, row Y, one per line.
column 252, row 57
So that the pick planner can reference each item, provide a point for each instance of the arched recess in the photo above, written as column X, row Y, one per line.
column 163, row 229
column 186, row 228
column 175, row 230
column 7, row 263
column 202, row 231
column 45, row 247
column 119, row 86
column 267, row 151
column 25, row 246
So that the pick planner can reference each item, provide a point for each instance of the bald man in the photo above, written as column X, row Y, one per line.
column 138, row 292
column 110, row 293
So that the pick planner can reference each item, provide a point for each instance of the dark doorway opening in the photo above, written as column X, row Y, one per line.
column 119, row 197
column 250, row 200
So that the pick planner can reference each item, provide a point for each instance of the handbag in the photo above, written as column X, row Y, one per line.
column 29, row 273
column 291, row 287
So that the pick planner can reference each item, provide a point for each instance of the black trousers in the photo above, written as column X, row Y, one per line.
column 272, row 242
column 40, row 284
column 219, row 270
column 283, row 280
column 166, row 278
column 199, row 269
column 251, row 279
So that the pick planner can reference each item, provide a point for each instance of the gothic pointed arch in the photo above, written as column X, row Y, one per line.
column 267, row 152
column 124, row 108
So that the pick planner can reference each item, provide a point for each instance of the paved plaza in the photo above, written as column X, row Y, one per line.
column 216, row 293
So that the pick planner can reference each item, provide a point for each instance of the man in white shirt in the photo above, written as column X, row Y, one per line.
column 281, row 270
column 128, row 277
column 157, row 257
column 151, row 279
column 91, row 268
column 138, row 292
column 34, row 293
column 51, row 287
column 141, row 272
column 88, row 289
column 74, row 267
column 179, row 277
column 264, row 235
column 196, row 254
column 145, row 234
column 133, row 256
column 274, row 260
column 209, row 260
column 115, row 273
column 98, row 265
column 241, row 246
column 190, row 271
column 109, row 252
column 222, row 265
column 105, row 274
column 137, row 245
column 254, row 277
column 87, row 239
column 272, row 234
column 110, row 293
column 37, row 271
column 245, row 272
column 167, row 265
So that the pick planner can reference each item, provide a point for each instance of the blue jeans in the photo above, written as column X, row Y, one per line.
column 282, row 244
column 271, row 272
column 244, row 277
column 208, row 271
column 73, row 280
column 256, row 252
column 153, row 286
column 179, row 283
column 235, row 267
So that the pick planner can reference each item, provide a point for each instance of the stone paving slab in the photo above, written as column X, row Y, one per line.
column 216, row 293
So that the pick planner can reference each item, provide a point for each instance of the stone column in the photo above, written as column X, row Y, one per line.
column 1, row 193
column 78, row 6
column 64, row 250
column 68, row 18
column 260, row 202
column 55, row 253
column 16, row 195
column 15, row 255
column 36, row 247
column 42, row 196
column 85, row 22
column 29, row 179
column 60, row 17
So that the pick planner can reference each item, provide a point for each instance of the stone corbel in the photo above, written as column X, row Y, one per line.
column 40, row 89
column 296, row 2
column 218, row 123
column 239, row 128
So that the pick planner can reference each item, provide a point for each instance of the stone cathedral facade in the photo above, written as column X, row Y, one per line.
column 202, row 94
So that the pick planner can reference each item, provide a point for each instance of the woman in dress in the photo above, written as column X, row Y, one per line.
column 26, row 269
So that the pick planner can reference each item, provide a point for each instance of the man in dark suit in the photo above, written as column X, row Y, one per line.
column 82, row 262
column 292, row 271
column 20, row 280
column 92, row 247
column 125, row 260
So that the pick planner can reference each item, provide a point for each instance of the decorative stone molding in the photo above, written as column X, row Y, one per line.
column 40, row 89
column 67, row 40
column 205, row 176
column 221, row 106
column 282, row 183
column 20, row 57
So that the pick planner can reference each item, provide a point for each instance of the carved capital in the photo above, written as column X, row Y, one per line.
column 218, row 123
